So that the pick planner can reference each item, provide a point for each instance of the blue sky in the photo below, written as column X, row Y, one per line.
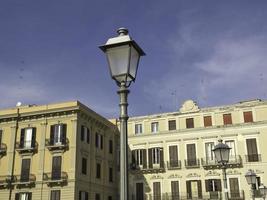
column 213, row 52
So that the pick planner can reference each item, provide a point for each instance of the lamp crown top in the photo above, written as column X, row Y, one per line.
column 220, row 140
column 122, row 31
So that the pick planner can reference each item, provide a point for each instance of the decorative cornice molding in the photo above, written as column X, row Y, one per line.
column 212, row 173
column 156, row 177
column 174, row 176
column 191, row 175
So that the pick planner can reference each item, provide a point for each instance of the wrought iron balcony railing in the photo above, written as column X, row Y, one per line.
column 5, row 181
column 192, row 163
column 51, row 144
column 236, row 195
column 24, row 181
column 57, row 178
column 211, row 163
column 152, row 168
column 253, row 158
column 3, row 149
column 24, row 147
column 175, row 164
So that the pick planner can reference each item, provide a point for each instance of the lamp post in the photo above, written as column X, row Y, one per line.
column 251, row 180
column 263, row 191
column 222, row 152
column 123, row 56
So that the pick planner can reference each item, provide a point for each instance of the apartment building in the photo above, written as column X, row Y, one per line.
column 171, row 153
column 57, row 151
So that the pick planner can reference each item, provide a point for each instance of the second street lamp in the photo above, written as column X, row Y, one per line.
column 222, row 152
column 123, row 56
column 263, row 191
column 251, row 180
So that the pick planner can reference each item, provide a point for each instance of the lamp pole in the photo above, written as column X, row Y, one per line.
column 251, row 180
column 123, row 56
column 222, row 152
column 123, row 93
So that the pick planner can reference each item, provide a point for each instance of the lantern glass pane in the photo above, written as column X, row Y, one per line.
column 225, row 155
column 118, row 58
column 218, row 157
column 134, row 63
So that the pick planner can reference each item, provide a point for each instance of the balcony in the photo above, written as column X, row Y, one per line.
column 236, row 195
column 26, row 147
column 53, row 146
column 154, row 168
column 5, row 181
column 253, row 158
column 192, row 163
column 172, row 165
column 209, row 163
column 24, row 181
column 52, row 179
column 3, row 149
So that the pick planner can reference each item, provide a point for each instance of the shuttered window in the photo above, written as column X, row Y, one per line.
column 156, row 191
column 190, row 123
column 99, row 140
column 172, row 125
column 85, row 134
column 173, row 156
column 98, row 170
column 207, row 121
column 234, row 188
column 58, row 134
column 154, row 127
column 84, row 166
column 227, row 119
column 139, row 191
column 23, row 196
column 55, row 195
column 248, row 116
column 138, row 129
column 27, row 137
column 1, row 133
column 110, row 147
column 191, row 154
column 156, row 156
column 25, row 170
column 56, row 168
column 213, row 185
column 252, row 150
column 175, row 190
column 83, row 195
column 110, row 174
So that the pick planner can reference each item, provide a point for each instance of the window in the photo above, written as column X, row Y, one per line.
column 84, row 166
column 252, row 150
column 138, row 128
column 155, row 157
column 27, row 137
column 97, row 196
column 55, row 195
column 85, row 134
column 248, row 116
column 172, row 125
column 98, row 170
column 110, row 174
column 83, row 195
column 99, row 141
column 190, row 123
column 110, row 149
column 227, row 119
column 231, row 144
column 58, row 134
column 56, row 168
column 156, row 191
column 1, row 133
column 173, row 154
column 139, row 157
column 175, row 190
column 154, row 127
column 25, row 170
column 213, row 185
column 23, row 196
column 139, row 191
column 209, row 146
column 207, row 121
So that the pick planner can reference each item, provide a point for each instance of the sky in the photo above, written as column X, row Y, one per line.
column 213, row 52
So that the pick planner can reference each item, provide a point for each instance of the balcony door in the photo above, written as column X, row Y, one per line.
column 25, row 170
column 194, row 190
column 58, row 134
column 208, row 148
column 156, row 191
column 191, row 154
column 56, row 168
column 231, row 144
column 175, row 190
column 252, row 150
column 234, row 188
column 173, row 153
column 139, row 191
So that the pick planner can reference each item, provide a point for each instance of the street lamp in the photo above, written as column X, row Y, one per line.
column 263, row 191
column 251, row 180
column 222, row 152
column 123, row 56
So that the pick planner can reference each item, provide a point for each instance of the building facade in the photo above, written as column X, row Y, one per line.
column 171, row 153
column 57, row 151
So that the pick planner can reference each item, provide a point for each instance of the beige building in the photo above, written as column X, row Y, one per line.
column 57, row 151
column 172, row 158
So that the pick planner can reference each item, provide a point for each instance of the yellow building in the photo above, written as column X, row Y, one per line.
column 171, row 155
column 57, row 151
